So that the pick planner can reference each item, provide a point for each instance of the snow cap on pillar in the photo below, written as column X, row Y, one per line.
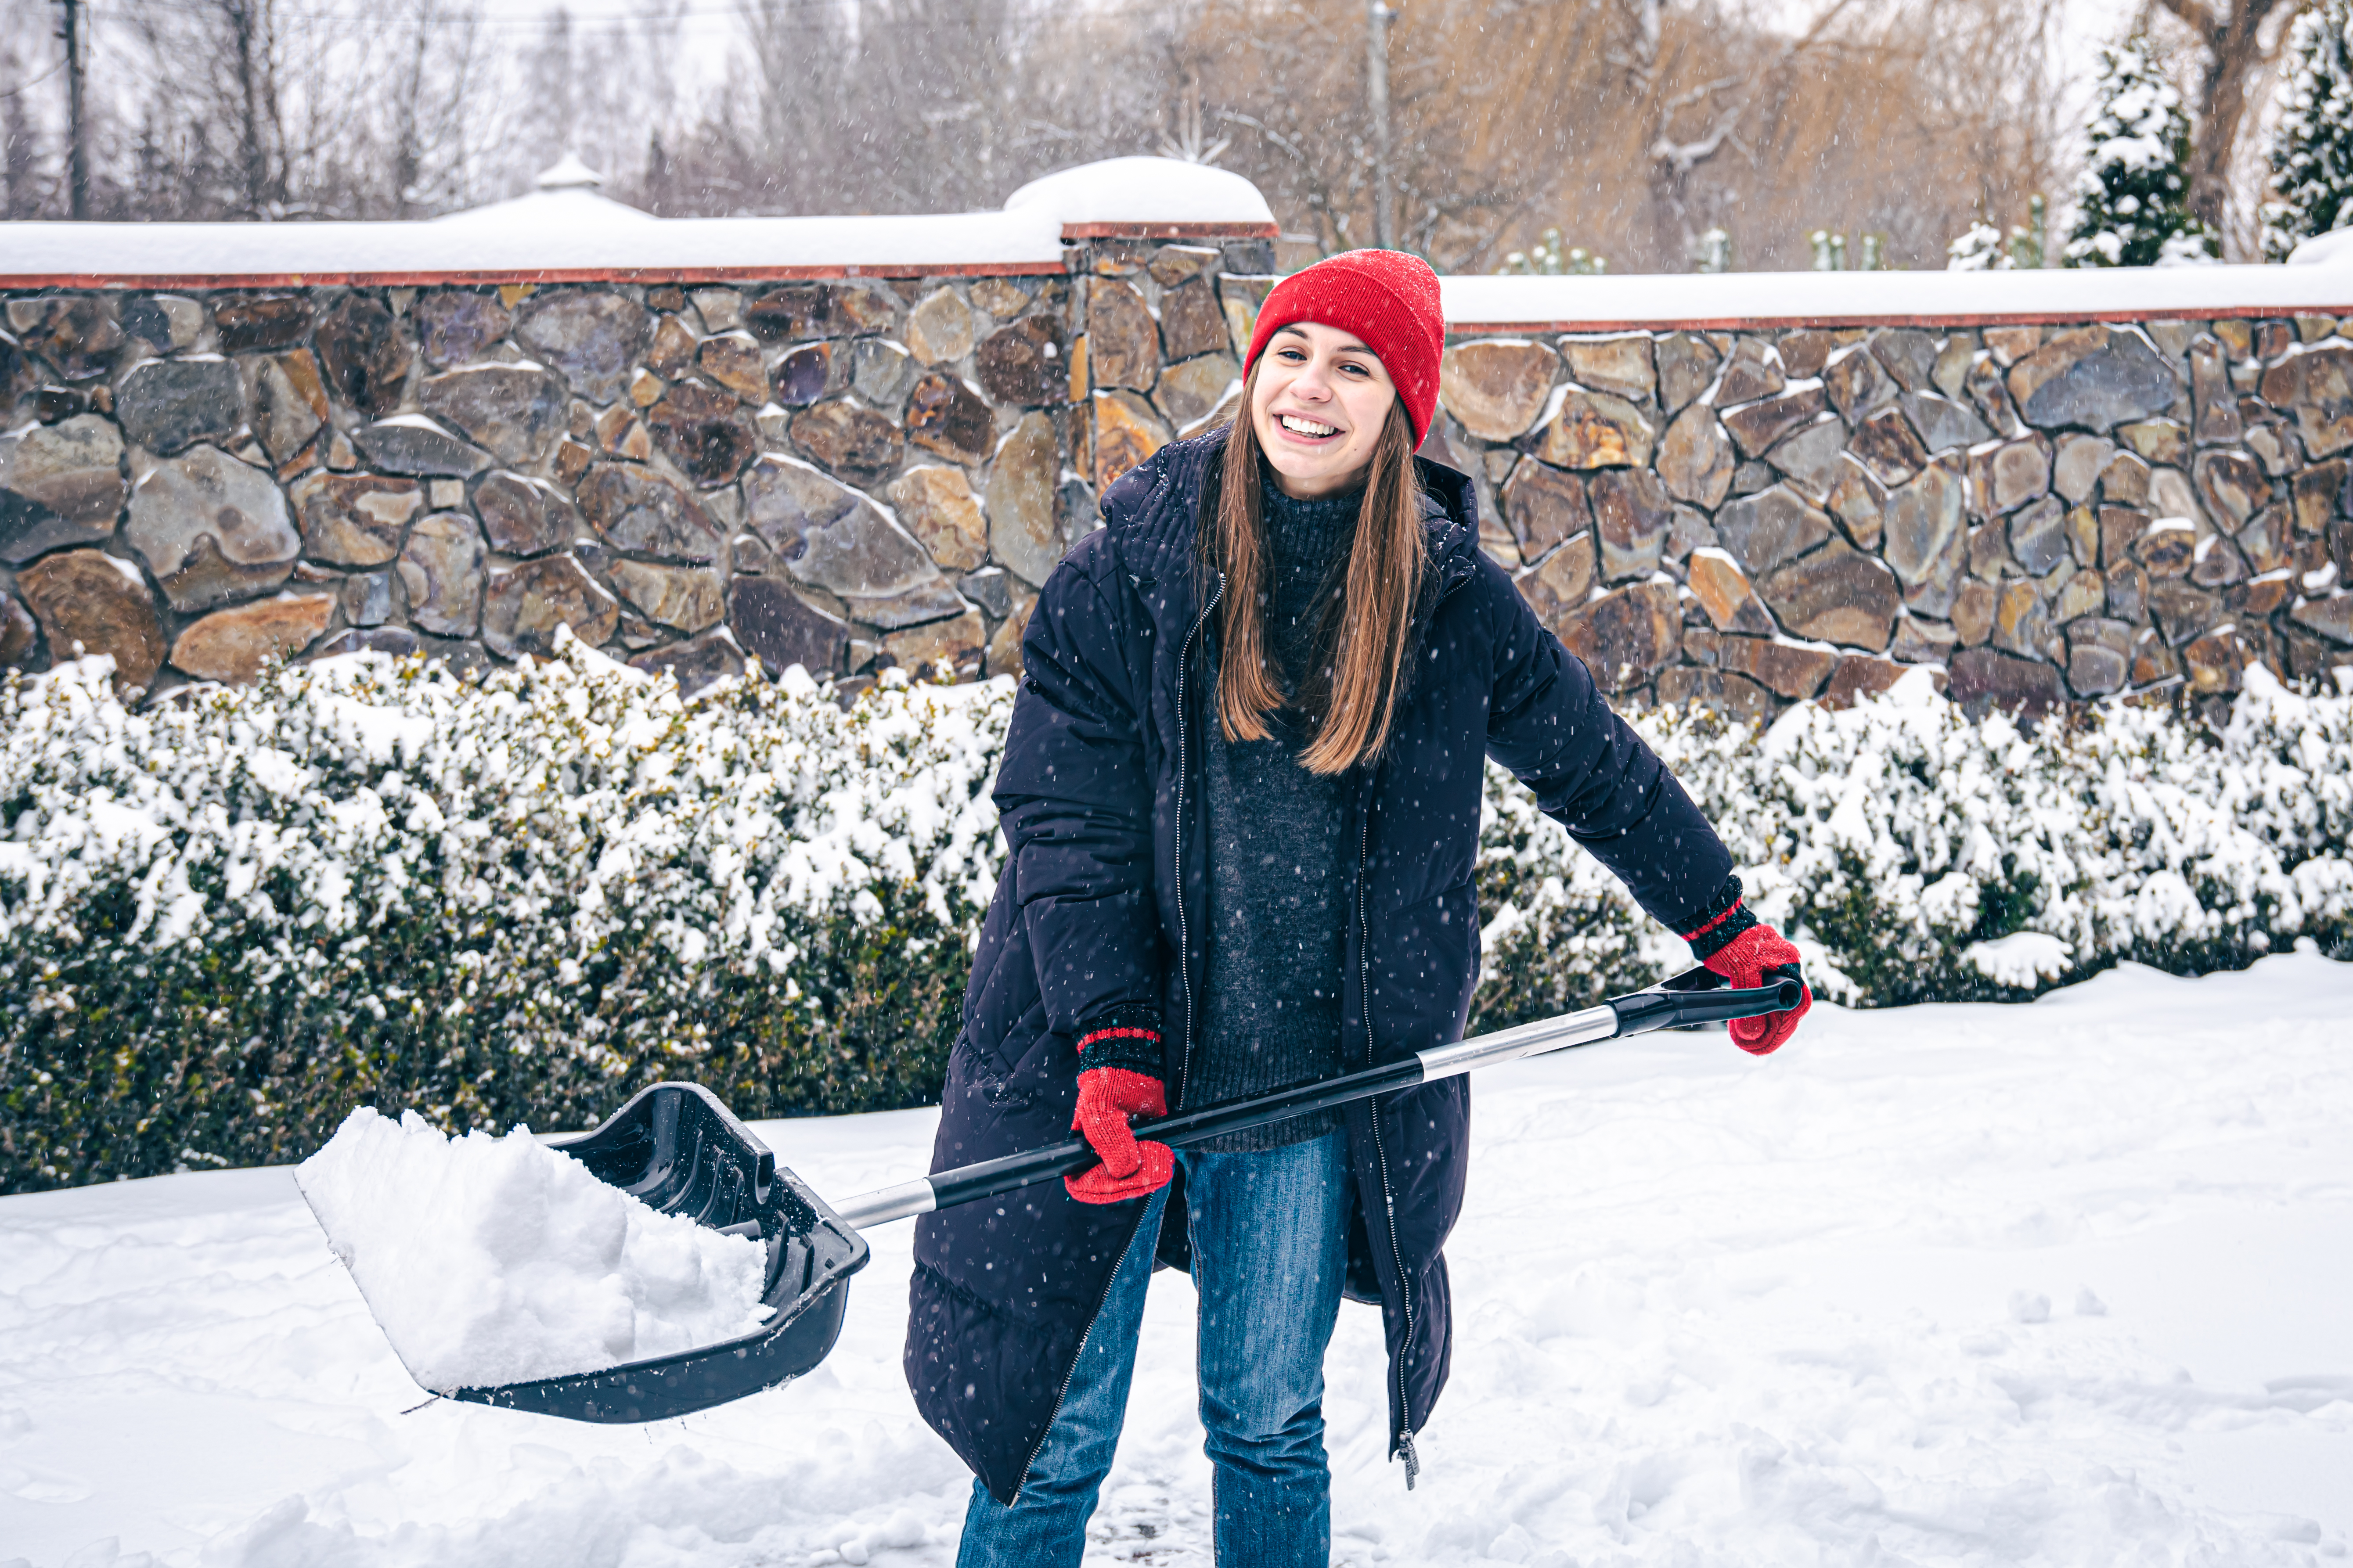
column 1388, row 301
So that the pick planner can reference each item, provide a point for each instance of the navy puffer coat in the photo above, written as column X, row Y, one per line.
column 1099, row 917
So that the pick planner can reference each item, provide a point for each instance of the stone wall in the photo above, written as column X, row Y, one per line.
column 852, row 473
column 2046, row 513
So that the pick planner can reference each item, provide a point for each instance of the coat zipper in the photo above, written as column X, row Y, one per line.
column 1380, row 1154
column 1184, row 966
column 1184, row 938
column 1380, row 1150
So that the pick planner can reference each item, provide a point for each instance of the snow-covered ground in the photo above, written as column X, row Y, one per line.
column 2066, row 1283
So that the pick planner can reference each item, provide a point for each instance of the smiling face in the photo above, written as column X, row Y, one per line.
column 1318, row 404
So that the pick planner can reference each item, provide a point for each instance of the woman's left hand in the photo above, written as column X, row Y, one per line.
column 1757, row 956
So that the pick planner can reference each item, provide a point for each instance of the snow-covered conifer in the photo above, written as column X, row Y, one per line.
column 2133, row 200
column 2312, row 149
column 1978, row 250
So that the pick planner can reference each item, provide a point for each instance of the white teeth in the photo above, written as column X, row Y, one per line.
column 1306, row 427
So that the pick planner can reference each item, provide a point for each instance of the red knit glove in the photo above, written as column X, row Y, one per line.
column 1735, row 944
column 1107, row 1097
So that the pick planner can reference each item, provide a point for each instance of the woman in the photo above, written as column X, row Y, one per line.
column 1240, row 795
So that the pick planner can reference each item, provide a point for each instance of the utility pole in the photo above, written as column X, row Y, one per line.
column 1377, row 98
column 78, row 132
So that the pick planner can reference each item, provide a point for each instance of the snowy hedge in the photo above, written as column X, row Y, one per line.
column 225, row 922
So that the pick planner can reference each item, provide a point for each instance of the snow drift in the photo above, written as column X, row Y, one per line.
column 491, row 1260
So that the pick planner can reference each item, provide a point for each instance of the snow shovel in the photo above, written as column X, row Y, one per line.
column 676, row 1147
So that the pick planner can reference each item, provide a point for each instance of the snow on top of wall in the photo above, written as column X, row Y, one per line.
column 565, row 231
column 1794, row 299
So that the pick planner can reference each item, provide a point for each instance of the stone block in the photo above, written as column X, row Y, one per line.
column 1807, row 349
column 1886, row 445
column 1859, row 501
column 2038, row 537
column 211, row 528
column 639, row 510
column 1725, row 594
column 290, row 403
column 2182, row 611
column 455, row 325
column 686, row 598
column 1836, row 594
column 705, row 432
column 2275, row 449
column 2233, row 486
column 441, row 570
column 1123, row 339
column 1954, row 361
column 1734, row 696
column 2010, row 344
column 513, row 411
column 2331, row 617
column 1754, row 371
column 621, row 433
column 1625, row 636
column 1983, row 680
column 1783, row 667
column 90, row 603
column 1764, row 531
column 2213, row 662
column 695, row 662
column 2166, row 547
column 940, row 329
column 1620, row 364
column 2007, row 477
column 249, row 321
column 354, row 519
column 2093, row 378
column 1857, row 384
column 733, row 360
column 2021, row 621
column 1192, row 323
column 1811, row 460
column 1857, row 677
column 1025, row 524
column 18, row 634
column 1562, row 581
column 948, row 417
column 1188, row 394
column 1919, row 641
column 366, row 598
column 1756, row 427
column 1496, row 389
column 166, row 406
column 961, row 641
column 2216, row 564
column 1686, row 365
column 1695, row 458
column 1126, row 431
column 60, row 485
column 2316, row 385
column 525, row 516
column 1943, row 424
column 1973, row 611
column 365, row 353
column 523, row 608
column 1174, row 264
column 670, row 352
column 1596, row 430
column 2266, row 542
column 809, row 372
column 413, row 444
column 2077, row 462
column 1631, row 514
column 1022, row 365
column 1909, row 355
column 851, row 439
column 2127, row 587
column 1545, row 506
column 831, row 537
column 1004, row 656
column 166, row 323
column 233, row 644
column 939, row 509
column 592, row 338
column 1689, row 531
column 2083, row 592
column 880, row 372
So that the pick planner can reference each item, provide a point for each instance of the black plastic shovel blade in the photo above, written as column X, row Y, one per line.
column 677, row 1148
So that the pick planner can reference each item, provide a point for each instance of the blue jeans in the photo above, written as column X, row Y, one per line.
column 1270, row 1248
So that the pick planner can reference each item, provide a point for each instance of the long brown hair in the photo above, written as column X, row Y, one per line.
column 1350, row 692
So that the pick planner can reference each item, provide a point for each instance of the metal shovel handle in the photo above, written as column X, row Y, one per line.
column 1692, row 997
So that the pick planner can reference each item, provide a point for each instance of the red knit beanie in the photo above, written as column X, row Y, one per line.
column 1388, row 301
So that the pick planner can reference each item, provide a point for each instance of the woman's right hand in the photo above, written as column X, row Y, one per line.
column 1131, row 1168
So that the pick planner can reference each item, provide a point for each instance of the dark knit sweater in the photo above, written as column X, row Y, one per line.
column 1270, row 1016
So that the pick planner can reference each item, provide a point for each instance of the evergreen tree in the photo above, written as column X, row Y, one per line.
column 2133, row 201
column 2312, row 150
